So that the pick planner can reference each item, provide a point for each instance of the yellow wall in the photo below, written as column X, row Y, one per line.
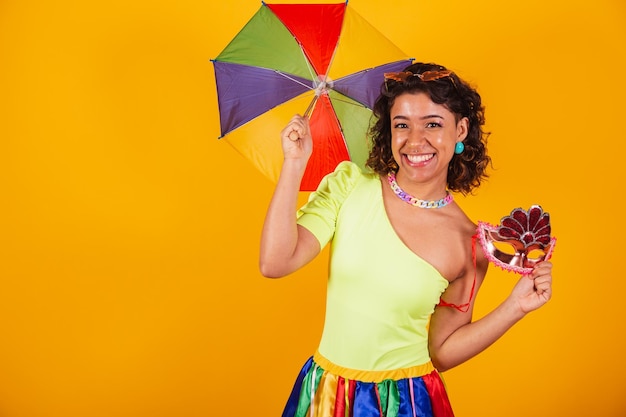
column 129, row 233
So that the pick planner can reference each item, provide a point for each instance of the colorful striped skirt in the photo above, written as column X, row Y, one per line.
column 324, row 389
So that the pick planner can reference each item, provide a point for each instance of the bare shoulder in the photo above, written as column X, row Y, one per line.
column 471, row 229
column 463, row 223
column 475, row 259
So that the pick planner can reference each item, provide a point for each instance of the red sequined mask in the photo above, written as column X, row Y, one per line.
column 520, row 241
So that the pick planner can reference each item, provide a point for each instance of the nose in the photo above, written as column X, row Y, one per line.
column 416, row 137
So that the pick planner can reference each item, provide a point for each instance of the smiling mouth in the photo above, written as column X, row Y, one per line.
column 416, row 159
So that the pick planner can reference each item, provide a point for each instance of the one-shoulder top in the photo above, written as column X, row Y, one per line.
column 380, row 294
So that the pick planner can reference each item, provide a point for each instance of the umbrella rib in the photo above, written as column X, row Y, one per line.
column 309, row 109
column 354, row 103
column 332, row 59
column 309, row 66
column 293, row 79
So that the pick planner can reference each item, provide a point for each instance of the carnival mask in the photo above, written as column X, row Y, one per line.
column 520, row 241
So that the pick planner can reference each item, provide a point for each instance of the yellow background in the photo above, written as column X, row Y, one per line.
column 129, row 233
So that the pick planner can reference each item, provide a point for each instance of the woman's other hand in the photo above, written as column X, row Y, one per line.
column 535, row 289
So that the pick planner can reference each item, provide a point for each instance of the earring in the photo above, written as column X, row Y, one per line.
column 459, row 148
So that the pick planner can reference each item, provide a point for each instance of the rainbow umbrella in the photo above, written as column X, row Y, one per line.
column 322, row 60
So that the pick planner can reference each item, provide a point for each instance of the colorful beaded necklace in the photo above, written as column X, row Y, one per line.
column 391, row 177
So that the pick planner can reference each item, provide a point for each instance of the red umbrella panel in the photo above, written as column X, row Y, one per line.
column 291, row 58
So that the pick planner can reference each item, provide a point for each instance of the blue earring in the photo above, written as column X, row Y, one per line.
column 459, row 148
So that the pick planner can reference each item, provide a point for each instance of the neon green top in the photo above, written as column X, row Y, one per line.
column 380, row 294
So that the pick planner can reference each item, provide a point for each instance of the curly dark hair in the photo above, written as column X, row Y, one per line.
column 466, row 170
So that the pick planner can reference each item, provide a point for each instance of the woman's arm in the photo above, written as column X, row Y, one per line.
column 454, row 338
column 285, row 246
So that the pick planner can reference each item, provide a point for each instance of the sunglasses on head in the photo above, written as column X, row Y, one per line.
column 424, row 76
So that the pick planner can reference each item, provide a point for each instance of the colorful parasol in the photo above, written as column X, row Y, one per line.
column 322, row 60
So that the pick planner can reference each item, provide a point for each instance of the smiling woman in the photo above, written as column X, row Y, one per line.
column 129, row 235
column 403, row 277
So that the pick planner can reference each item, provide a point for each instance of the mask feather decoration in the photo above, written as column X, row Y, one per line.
column 521, row 240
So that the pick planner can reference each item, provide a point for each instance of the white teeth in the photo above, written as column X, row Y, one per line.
column 419, row 158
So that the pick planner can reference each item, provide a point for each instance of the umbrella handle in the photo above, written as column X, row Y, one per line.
column 293, row 135
column 309, row 109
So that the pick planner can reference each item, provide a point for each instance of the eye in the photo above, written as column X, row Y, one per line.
column 400, row 126
column 433, row 124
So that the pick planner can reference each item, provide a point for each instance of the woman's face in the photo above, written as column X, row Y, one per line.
column 423, row 137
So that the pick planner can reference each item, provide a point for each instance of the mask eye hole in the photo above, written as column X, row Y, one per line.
column 505, row 248
column 536, row 255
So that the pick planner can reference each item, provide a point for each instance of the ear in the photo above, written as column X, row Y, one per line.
column 462, row 129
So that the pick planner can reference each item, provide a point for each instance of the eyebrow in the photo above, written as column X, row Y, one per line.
column 430, row 116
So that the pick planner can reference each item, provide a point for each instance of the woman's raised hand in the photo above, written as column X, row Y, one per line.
column 296, row 139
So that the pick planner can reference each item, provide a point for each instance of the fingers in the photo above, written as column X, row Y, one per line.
column 297, row 128
column 542, row 278
column 542, row 269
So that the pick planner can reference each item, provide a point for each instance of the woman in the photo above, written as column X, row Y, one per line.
column 404, row 263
